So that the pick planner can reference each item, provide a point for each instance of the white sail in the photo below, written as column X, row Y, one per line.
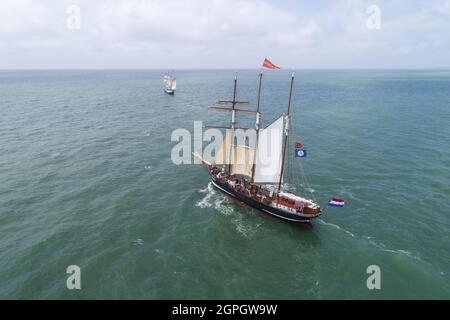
column 269, row 153
column 166, row 80
column 170, row 83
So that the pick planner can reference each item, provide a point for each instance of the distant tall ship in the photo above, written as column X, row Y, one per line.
column 255, row 175
column 170, row 84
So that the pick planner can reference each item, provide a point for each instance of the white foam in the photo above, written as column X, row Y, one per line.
column 206, row 201
column 379, row 245
column 221, row 203
column 215, row 200
column 223, row 206
column 383, row 247
column 337, row 227
column 245, row 229
column 209, row 188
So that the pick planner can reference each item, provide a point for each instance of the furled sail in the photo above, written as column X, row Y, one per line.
column 269, row 153
column 241, row 159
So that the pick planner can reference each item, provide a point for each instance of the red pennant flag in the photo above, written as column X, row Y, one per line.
column 269, row 65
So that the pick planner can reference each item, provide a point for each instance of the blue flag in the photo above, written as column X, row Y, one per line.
column 300, row 153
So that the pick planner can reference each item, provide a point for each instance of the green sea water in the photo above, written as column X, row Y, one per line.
column 86, row 179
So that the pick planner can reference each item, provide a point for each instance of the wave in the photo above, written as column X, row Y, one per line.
column 336, row 226
column 222, row 204
column 372, row 242
column 383, row 247
column 209, row 188
column 245, row 229
column 206, row 202
column 215, row 200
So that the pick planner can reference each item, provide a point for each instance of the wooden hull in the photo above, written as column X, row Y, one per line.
column 280, row 214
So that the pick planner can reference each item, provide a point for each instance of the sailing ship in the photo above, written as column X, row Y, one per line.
column 170, row 84
column 255, row 175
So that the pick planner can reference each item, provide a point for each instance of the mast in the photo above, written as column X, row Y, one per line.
column 287, row 133
column 233, row 122
column 232, row 127
column 257, row 125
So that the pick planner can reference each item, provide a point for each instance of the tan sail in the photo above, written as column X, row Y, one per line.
column 222, row 155
column 241, row 159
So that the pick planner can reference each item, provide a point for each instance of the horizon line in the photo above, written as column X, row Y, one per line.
column 228, row 69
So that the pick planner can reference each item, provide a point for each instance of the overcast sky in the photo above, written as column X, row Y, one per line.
column 174, row 34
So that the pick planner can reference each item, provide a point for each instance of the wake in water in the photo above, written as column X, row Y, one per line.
column 378, row 245
column 381, row 246
column 211, row 198
column 222, row 204
column 216, row 200
column 336, row 227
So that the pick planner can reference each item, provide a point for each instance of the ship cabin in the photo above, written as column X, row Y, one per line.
column 298, row 203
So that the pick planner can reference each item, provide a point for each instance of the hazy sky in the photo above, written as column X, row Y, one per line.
column 223, row 34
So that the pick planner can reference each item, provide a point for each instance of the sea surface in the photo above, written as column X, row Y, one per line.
column 86, row 179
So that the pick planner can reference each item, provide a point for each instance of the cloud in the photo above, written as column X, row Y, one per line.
column 222, row 33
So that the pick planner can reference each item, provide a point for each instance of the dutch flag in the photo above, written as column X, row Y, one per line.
column 334, row 202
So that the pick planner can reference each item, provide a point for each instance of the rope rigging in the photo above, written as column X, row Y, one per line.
column 297, row 176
